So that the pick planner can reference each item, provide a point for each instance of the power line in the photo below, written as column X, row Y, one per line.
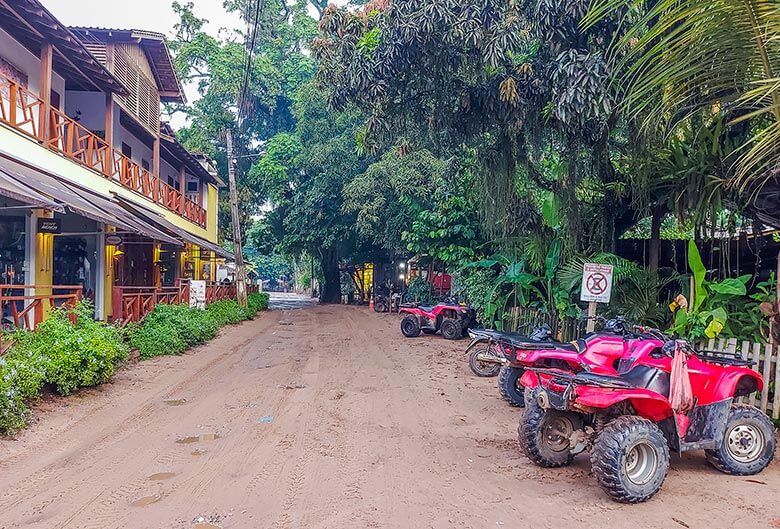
column 250, row 52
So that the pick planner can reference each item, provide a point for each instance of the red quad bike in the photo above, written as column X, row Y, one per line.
column 630, row 421
column 449, row 317
column 599, row 352
column 486, row 348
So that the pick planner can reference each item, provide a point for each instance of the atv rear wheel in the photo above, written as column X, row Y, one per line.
column 630, row 459
column 544, row 435
column 480, row 367
column 509, row 385
column 380, row 306
column 410, row 326
column 451, row 329
column 748, row 442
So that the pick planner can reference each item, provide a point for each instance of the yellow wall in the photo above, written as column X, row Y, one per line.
column 44, row 259
column 212, row 198
column 108, row 277
column 17, row 146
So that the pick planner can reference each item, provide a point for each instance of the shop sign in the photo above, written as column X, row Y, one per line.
column 113, row 240
column 49, row 226
column 197, row 294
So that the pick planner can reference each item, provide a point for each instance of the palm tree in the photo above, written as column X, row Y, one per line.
column 682, row 59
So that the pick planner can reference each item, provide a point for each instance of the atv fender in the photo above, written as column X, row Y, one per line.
column 738, row 382
column 475, row 342
column 647, row 404
column 408, row 310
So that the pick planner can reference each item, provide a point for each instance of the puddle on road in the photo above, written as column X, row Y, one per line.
column 146, row 500
column 160, row 476
column 175, row 402
column 197, row 438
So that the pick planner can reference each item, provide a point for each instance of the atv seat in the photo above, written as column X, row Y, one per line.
column 638, row 377
column 426, row 308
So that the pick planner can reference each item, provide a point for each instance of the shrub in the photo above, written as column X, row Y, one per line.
column 21, row 378
column 172, row 329
column 70, row 355
column 256, row 302
column 226, row 312
column 59, row 352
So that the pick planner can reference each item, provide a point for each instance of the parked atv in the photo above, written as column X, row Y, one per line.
column 486, row 348
column 673, row 398
column 598, row 352
column 449, row 317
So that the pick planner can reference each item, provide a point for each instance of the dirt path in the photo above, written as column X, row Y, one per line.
column 324, row 417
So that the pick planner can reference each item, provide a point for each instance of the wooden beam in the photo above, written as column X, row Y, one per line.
column 109, row 123
column 44, row 89
column 182, row 184
column 156, row 165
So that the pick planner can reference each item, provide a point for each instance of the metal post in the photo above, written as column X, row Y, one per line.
column 237, row 247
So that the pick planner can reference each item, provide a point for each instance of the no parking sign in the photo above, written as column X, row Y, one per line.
column 596, row 283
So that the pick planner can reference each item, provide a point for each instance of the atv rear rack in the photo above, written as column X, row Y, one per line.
column 724, row 358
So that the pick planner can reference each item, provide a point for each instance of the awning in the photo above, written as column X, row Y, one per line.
column 14, row 188
column 81, row 202
column 154, row 217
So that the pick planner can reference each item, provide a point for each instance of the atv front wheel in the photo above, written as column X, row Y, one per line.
column 630, row 459
column 509, row 385
column 410, row 326
column 451, row 329
column 480, row 367
column 544, row 435
column 748, row 442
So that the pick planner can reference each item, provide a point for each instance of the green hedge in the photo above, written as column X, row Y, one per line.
column 68, row 356
column 59, row 353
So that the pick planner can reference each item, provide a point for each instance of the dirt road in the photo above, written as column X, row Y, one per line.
column 324, row 417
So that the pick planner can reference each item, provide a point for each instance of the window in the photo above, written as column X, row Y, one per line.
column 192, row 186
column 145, row 164
column 127, row 150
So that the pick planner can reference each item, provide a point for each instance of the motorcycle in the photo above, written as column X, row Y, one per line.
column 485, row 349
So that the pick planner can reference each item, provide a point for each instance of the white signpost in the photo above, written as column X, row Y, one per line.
column 197, row 294
column 596, row 288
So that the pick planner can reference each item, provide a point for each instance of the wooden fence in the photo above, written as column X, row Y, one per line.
column 767, row 362
column 134, row 303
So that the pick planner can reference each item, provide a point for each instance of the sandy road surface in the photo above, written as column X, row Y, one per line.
column 324, row 417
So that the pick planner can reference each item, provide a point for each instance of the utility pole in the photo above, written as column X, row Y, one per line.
column 237, row 247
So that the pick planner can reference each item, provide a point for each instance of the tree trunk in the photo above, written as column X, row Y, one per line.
column 655, row 239
column 330, row 292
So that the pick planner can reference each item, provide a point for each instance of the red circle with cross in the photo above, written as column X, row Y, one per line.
column 596, row 283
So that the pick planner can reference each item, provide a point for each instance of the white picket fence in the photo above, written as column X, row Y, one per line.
column 767, row 362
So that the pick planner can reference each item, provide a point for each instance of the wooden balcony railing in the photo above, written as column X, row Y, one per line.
column 22, row 311
column 24, row 111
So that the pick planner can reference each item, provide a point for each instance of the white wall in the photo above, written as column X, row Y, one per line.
column 92, row 106
column 140, row 150
column 20, row 57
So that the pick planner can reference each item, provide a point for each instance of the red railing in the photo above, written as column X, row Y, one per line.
column 24, row 111
column 134, row 303
column 23, row 311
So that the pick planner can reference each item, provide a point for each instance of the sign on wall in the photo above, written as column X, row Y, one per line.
column 49, row 226
column 197, row 294
column 596, row 283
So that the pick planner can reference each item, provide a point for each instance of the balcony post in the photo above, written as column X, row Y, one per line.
column 156, row 167
column 45, row 92
column 109, row 134
column 182, row 181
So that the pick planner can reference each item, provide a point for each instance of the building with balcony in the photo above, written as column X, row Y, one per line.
column 97, row 197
